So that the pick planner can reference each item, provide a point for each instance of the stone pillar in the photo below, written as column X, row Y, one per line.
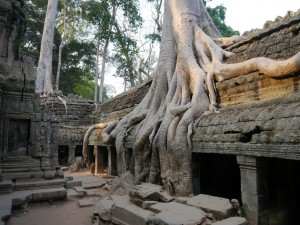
column 254, row 188
column 109, row 167
column 71, row 155
column 97, row 159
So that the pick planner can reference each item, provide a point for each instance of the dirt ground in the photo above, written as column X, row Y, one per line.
column 62, row 212
column 65, row 212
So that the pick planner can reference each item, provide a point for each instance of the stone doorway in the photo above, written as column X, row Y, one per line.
column 63, row 155
column 284, row 192
column 217, row 175
column 18, row 137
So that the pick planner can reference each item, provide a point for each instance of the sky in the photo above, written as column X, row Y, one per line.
column 241, row 15
column 244, row 15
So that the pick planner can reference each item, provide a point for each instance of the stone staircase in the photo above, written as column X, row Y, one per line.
column 20, row 167
column 23, row 181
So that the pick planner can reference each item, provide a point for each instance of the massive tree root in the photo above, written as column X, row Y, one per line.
column 182, row 91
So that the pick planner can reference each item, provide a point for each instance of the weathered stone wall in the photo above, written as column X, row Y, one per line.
column 73, row 114
column 121, row 105
column 279, row 42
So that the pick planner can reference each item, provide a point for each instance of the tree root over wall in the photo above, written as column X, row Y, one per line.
column 183, row 89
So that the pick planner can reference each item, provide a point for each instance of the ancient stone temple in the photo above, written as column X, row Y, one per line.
column 37, row 135
column 17, row 78
column 250, row 150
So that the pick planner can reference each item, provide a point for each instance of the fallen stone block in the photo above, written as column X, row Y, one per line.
column 81, row 191
column 5, row 210
column 72, row 193
column 189, row 214
column 169, row 218
column 126, row 213
column 148, row 204
column 47, row 194
column 148, row 192
column 232, row 221
column 20, row 198
column 69, row 178
column 86, row 202
column 221, row 208
column 103, row 208
column 73, row 183
column 182, row 200
column 94, row 184
column 122, row 184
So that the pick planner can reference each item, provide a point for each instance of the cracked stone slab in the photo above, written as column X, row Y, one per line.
column 126, row 213
column 221, row 208
column 190, row 215
column 232, row 221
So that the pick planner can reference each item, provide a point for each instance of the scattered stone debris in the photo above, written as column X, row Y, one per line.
column 149, row 204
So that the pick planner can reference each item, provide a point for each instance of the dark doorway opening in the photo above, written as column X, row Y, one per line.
column 217, row 175
column 78, row 151
column 102, row 160
column 63, row 155
column 284, row 192
column 18, row 137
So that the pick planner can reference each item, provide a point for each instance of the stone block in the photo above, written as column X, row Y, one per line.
column 81, row 191
column 5, row 210
column 123, row 214
column 148, row 204
column 72, row 193
column 86, row 202
column 103, row 208
column 71, row 184
column 169, row 218
column 182, row 200
column 49, row 174
column 232, row 221
column 148, row 192
column 49, row 194
column 221, row 208
column 190, row 214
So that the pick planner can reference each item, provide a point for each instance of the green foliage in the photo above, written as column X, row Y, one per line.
column 218, row 15
column 78, row 56
column 153, row 37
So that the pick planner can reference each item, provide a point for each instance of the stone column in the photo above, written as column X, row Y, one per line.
column 71, row 155
column 254, row 188
column 97, row 159
column 109, row 169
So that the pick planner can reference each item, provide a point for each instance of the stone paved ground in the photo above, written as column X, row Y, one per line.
column 67, row 212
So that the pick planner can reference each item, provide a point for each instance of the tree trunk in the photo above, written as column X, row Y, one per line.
column 114, row 10
column 61, row 46
column 43, row 83
column 182, row 90
column 97, row 63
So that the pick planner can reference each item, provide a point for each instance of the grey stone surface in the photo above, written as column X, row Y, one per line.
column 5, row 210
column 38, row 184
column 191, row 214
column 170, row 218
column 221, row 208
column 148, row 204
column 81, row 191
column 72, row 193
column 130, row 215
column 232, row 221
column 86, row 202
column 46, row 194
column 103, row 208
column 70, row 184
column 148, row 192
column 182, row 200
